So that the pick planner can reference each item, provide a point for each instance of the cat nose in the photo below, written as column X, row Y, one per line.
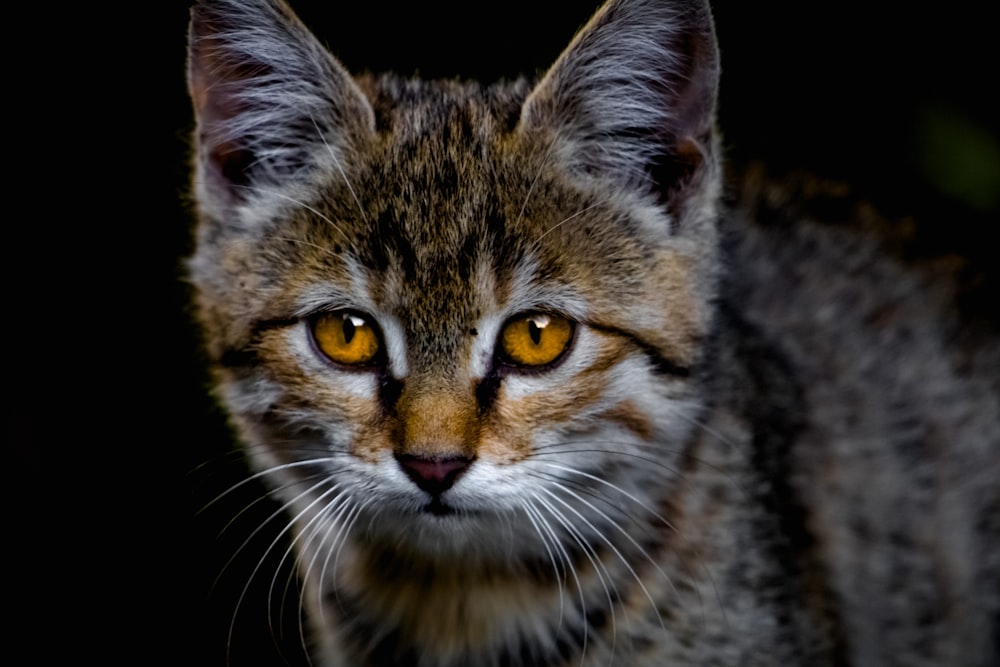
column 433, row 474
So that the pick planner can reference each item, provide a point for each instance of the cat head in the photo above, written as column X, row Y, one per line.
column 435, row 301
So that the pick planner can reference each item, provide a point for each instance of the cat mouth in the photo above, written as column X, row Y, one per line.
column 438, row 507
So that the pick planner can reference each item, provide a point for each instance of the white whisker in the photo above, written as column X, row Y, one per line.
column 297, row 202
column 600, row 570
column 339, row 166
column 545, row 537
column 324, row 250
column 288, row 527
column 642, row 551
column 565, row 220
column 263, row 473
column 544, row 162
column 345, row 526
column 615, row 488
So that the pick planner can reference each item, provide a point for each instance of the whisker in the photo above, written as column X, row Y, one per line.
column 530, row 511
column 568, row 561
column 280, row 512
column 739, row 488
column 710, row 431
column 600, row 570
column 545, row 161
column 567, row 219
column 267, row 497
column 258, row 475
column 614, row 549
column 298, row 202
column 642, row 551
column 317, row 246
column 288, row 527
column 331, row 515
column 617, row 489
column 345, row 527
column 340, row 167
column 562, row 449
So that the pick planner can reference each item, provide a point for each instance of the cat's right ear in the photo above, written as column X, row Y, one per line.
column 273, row 107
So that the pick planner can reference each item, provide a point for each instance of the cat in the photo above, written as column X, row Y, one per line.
column 533, row 387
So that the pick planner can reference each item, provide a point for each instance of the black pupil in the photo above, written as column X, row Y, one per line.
column 534, row 331
column 349, row 330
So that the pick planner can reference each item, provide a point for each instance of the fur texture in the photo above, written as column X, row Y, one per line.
column 767, row 441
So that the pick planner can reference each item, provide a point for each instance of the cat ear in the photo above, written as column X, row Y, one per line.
column 272, row 105
column 633, row 97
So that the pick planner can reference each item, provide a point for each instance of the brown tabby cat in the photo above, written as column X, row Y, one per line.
column 531, row 393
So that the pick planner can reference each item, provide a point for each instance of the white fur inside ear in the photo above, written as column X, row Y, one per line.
column 271, row 104
column 637, row 81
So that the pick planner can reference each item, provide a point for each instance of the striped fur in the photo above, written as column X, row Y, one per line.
column 691, row 481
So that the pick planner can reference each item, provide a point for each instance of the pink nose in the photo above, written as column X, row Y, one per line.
column 433, row 474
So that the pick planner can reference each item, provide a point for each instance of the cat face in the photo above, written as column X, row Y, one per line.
column 437, row 309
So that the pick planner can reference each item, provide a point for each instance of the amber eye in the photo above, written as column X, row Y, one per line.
column 535, row 339
column 346, row 338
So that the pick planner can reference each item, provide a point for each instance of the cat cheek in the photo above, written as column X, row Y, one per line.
column 677, row 318
column 632, row 419
column 505, row 446
column 524, row 418
column 373, row 445
column 287, row 359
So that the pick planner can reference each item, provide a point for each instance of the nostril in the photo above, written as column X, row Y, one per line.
column 433, row 474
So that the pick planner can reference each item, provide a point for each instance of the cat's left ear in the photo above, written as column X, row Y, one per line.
column 632, row 99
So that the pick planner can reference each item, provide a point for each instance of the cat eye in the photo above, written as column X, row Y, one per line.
column 347, row 338
column 533, row 340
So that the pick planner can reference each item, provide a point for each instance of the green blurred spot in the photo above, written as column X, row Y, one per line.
column 960, row 157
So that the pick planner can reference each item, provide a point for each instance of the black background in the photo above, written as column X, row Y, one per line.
column 113, row 443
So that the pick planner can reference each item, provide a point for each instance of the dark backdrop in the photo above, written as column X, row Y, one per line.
column 114, row 445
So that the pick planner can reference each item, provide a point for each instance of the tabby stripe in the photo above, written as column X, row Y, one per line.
column 242, row 357
column 777, row 426
column 661, row 364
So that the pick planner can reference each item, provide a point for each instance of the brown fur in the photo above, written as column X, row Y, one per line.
column 768, row 441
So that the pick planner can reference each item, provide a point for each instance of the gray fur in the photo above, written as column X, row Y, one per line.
column 770, row 440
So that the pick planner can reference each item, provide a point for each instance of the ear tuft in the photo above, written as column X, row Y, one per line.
column 632, row 99
column 270, row 102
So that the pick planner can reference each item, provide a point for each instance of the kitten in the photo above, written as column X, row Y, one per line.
column 531, row 391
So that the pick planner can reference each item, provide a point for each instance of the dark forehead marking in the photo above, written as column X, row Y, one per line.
column 434, row 206
column 436, row 199
column 444, row 190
